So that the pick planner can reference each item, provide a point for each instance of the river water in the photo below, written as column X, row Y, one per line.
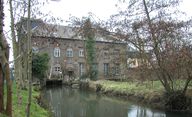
column 67, row 102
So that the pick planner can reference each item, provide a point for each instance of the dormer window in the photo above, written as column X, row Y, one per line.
column 57, row 52
column 69, row 52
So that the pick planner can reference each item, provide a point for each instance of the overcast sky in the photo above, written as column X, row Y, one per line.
column 101, row 8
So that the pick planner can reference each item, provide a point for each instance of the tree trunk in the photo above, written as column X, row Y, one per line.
column 1, row 54
column 156, row 50
column 14, row 43
column 4, row 68
column 186, row 85
column 1, row 90
column 29, row 56
column 9, row 91
column 6, row 74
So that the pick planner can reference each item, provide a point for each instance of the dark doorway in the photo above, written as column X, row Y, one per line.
column 70, row 73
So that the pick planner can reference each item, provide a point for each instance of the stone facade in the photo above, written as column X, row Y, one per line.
column 68, row 56
column 66, row 49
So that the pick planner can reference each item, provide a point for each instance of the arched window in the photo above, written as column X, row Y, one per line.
column 69, row 52
column 57, row 52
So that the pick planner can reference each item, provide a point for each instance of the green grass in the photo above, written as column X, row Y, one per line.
column 19, row 110
column 1, row 115
column 148, row 89
column 138, row 87
column 132, row 87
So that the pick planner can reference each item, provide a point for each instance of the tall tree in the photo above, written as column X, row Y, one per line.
column 29, row 57
column 4, row 68
column 149, row 26
column 16, row 50
column 1, row 47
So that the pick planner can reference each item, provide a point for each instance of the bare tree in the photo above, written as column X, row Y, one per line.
column 29, row 58
column 148, row 26
column 4, row 68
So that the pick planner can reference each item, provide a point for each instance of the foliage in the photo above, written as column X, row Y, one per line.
column 89, row 34
column 2, row 115
column 40, row 65
column 19, row 103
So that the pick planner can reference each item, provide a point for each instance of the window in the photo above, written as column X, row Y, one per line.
column 106, row 69
column 69, row 52
column 57, row 69
column 81, row 69
column 81, row 53
column 56, row 52
column 117, row 69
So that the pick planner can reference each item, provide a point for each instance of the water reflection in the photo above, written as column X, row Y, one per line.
column 138, row 111
column 67, row 102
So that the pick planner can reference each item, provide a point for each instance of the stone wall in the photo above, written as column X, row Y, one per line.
column 106, row 52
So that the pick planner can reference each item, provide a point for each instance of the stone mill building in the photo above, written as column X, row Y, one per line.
column 66, row 49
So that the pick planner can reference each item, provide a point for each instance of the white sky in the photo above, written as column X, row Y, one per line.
column 101, row 8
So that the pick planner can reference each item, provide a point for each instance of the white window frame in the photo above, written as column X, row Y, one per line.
column 57, row 52
column 81, row 53
column 69, row 52
column 57, row 69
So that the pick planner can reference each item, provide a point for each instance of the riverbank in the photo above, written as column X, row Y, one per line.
column 19, row 104
column 149, row 93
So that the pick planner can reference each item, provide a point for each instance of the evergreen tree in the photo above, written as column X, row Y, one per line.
column 40, row 65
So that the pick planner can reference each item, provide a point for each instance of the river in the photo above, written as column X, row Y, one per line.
column 67, row 102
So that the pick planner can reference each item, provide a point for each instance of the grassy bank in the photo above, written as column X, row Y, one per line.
column 19, row 105
column 148, row 92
